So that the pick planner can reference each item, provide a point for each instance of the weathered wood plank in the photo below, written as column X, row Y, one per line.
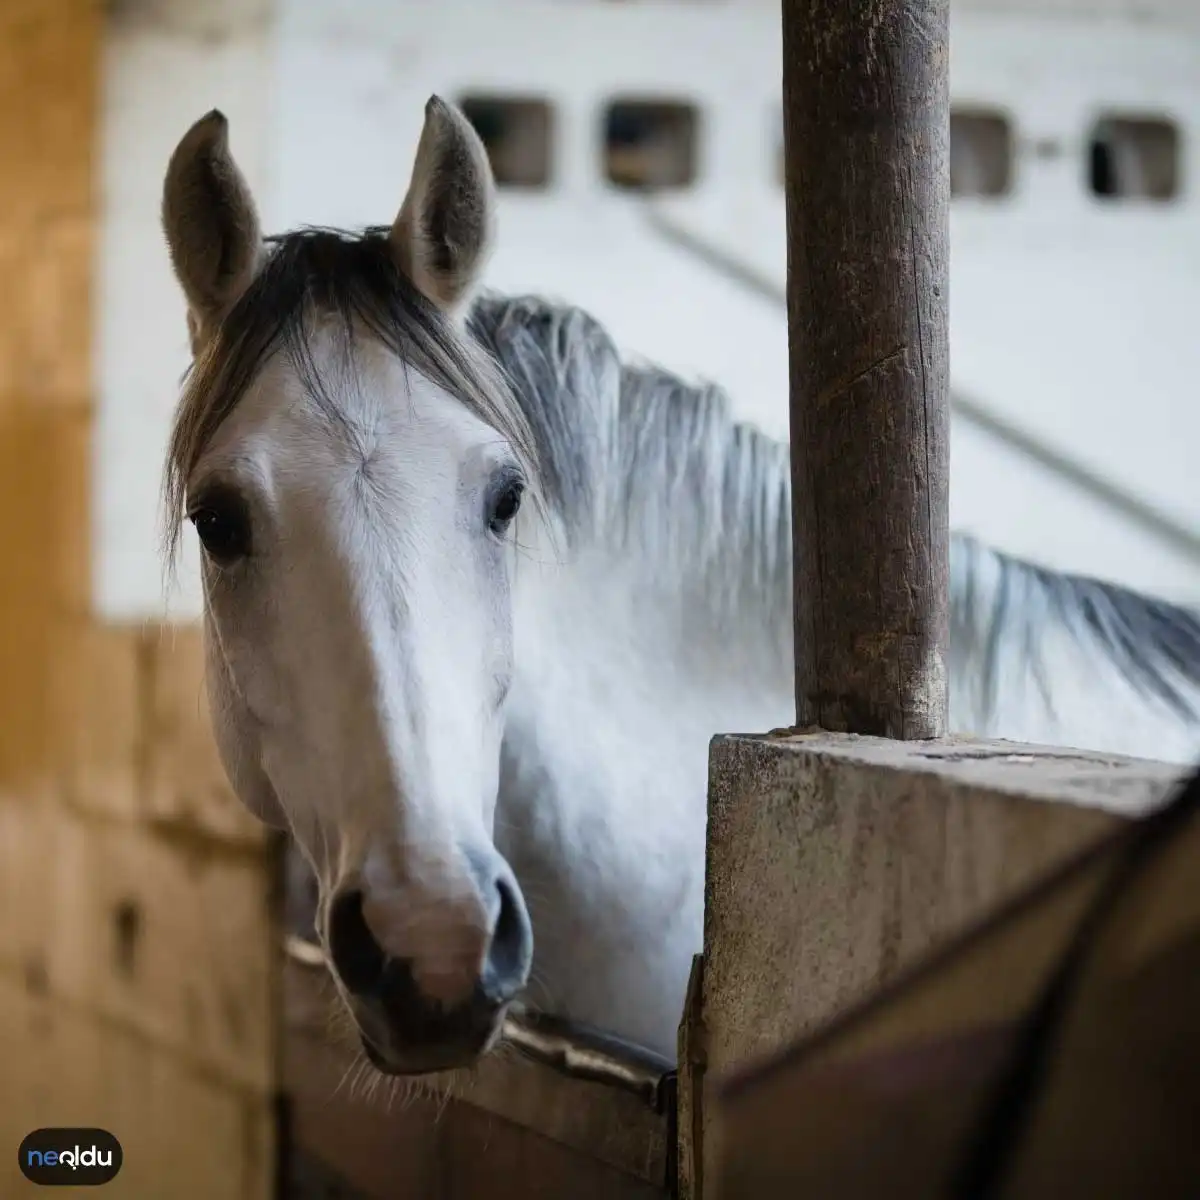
column 867, row 854
column 866, row 130
column 393, row 1138
column 921, row 1064
column 614, row 1135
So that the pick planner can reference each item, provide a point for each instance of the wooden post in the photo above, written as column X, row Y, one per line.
column 866, row 129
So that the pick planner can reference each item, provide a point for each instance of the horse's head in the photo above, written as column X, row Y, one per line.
column 352, row 465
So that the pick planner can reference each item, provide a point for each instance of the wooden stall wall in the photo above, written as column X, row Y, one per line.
column 137, row 988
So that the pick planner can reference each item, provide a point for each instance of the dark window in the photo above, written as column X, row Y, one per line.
column 650, row 144
column 518, row 132
column 981, row 153
column 1133, row 158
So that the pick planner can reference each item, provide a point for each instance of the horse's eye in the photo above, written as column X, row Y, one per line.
column 505, row 506
column 223, row 528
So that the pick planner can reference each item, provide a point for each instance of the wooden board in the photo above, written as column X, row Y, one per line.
column 561, row 1138
column 514, row 1128
column 1052, row 1052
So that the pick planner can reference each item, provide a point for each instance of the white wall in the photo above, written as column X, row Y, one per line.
column 167, row 63
column 1176, row 12
column 1074, row 322
column 1167, row 11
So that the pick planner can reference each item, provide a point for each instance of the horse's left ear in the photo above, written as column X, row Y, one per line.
column 443, row 231
column 211, row 225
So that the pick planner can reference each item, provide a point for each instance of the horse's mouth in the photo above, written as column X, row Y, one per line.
column 432, row 1060
column 377, row 1060
column 421, row 1063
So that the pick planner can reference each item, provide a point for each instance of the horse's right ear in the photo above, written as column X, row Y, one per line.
column 211, row 225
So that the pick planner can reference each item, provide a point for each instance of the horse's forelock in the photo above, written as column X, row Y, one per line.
column 310, row 276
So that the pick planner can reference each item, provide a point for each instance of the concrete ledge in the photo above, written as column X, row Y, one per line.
column 834, row 862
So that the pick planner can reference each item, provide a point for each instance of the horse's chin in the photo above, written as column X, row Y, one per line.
column 419, row 1061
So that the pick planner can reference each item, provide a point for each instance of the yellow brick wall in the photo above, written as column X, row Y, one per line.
column 137, row 978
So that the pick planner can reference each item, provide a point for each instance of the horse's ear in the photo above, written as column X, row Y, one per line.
column 443, row 230
column 211, row 224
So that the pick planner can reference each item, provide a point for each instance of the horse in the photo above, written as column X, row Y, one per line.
column 479, row 591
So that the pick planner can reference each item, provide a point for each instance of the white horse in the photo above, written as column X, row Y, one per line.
column 487, row 725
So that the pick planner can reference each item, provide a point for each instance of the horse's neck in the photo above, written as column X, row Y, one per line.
column 621, row 681
column 604, row 774
column 643, row 652
column 608, row 612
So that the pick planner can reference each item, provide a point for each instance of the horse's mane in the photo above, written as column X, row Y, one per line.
column 630, row 454
column 634, row 456
column 658, row 466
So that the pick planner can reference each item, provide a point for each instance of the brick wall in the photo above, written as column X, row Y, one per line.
column 137, row 979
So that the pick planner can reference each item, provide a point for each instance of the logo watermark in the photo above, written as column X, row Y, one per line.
column 70, row 1157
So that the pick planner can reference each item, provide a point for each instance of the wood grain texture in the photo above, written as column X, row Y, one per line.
column 391, row 1140
column 919, row 1063
column 869, row 854
column 866, row 127
column 608, row 1136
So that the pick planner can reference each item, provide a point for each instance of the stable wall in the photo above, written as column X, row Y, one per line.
column 136, row 988
column 136, row 937
column 1071, row 318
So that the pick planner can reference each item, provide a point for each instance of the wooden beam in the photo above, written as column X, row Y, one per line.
column 866, row 129
column 867, row 855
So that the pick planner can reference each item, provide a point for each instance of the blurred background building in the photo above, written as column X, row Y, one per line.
column 638, row 148
column 637, row 144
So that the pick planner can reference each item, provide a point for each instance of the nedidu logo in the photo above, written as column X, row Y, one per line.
column 70, row 1157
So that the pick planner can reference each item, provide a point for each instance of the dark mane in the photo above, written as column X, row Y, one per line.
column 652, row 465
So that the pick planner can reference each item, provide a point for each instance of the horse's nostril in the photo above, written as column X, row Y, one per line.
column 510, row 949
column 357, row 956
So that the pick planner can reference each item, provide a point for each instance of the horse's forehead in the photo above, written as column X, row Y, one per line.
column 370, row 405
